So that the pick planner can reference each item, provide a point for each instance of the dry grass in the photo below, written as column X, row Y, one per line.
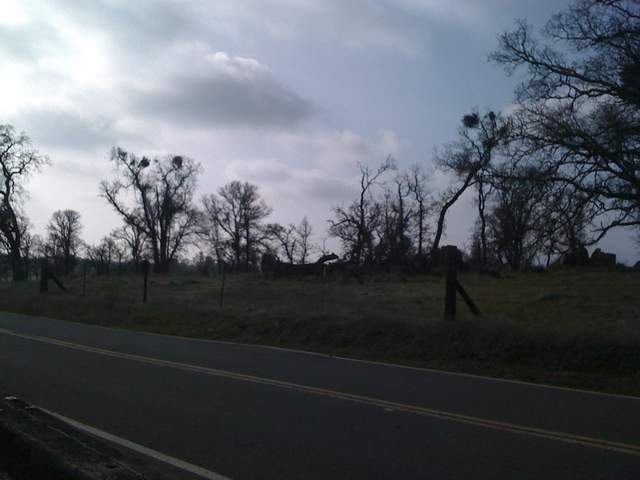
column 571, row 327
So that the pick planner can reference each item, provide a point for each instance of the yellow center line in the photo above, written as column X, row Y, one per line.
column 586, row 441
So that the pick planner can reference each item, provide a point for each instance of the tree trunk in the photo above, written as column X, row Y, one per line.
column 14, row 238
column 248, row 241
column 17, row 266
column 68, row 264
column 420, row 229
column 483, row 224
column 161, row 267
column 447, row 205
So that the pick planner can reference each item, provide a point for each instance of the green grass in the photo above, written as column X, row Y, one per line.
column 577, row 328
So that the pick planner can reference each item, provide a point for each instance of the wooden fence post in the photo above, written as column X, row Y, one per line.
column 453, row 286
column 468, row 300
column 451, row 253
column 145, row 271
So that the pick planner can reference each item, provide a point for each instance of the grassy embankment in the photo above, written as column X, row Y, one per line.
column 574, row 327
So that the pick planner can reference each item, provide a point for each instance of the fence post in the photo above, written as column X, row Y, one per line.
column 468, row 300
column 145, row 271
column 451, row 255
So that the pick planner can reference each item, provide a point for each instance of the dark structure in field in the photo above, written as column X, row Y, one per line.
column 579, row 257
column 598, row 258
column 603, row 259
column 270, row 264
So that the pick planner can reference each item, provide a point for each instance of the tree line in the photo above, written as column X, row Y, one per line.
column 549, row 177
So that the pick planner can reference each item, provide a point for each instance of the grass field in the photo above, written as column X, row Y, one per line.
column 570, row 327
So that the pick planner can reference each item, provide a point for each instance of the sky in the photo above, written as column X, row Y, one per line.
column 287, row 94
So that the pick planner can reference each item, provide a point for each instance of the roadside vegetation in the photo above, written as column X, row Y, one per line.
column 574, row 327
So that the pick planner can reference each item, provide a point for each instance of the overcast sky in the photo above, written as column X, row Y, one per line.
column 288, row 94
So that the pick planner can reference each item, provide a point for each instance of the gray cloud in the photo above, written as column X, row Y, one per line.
column 334, row 190
column 41, row 36
column 403, row 25
column 292, row 182
column 225, row 91
column 59, row 128
column 135, row 26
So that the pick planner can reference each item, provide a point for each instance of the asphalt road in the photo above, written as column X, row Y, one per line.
column 249, row 412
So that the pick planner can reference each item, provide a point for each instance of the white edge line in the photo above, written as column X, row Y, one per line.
column 176, row 462
column 348, row 359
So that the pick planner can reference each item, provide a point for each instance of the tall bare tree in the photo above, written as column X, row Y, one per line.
column 18, row 159
column 294, row 241
column 568, row 214
column 162, row 191
column 64, row 231
column 211, row 234
column 517, row 217
column 104, row 254
column 356, row 224
column 469, row 160
column 579, row 104
column 237, row 212
column 286, row 240
column 30, row 245
column 133, row 241
column 403, row 214
column 304, row 233
column 423, row 205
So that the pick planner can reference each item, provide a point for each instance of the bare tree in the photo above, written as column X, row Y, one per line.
column 64, row 231
column 237, row 212
column 162, row 190
column 293, row 241
column 417, row 182
column 516, row 222
column 26, row 243
column 211, row 234
column 403, row 214
column 286, row 239
column 579, row 105
column 305, row 246
column 18, row 159
column 393, row 230
column 31, row 247
column 133, row 240
column 103, row 254
column 29, row 244
column 469, row 159
column 566, row 220
column 356, row 225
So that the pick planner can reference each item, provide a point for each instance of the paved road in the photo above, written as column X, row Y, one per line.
column 254, row 412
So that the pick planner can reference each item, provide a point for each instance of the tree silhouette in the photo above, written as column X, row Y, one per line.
column 417, row 182
column 469, row 159
column 233, row 218
column 517, row 219
column 18, row 159
column 294, row 241
column 64, row 238
column 579, row 105
column 162, row 192
column 133, row 240
column 306, row 247
column 356, row 224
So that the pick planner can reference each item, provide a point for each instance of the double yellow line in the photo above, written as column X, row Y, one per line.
column 585, row 441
